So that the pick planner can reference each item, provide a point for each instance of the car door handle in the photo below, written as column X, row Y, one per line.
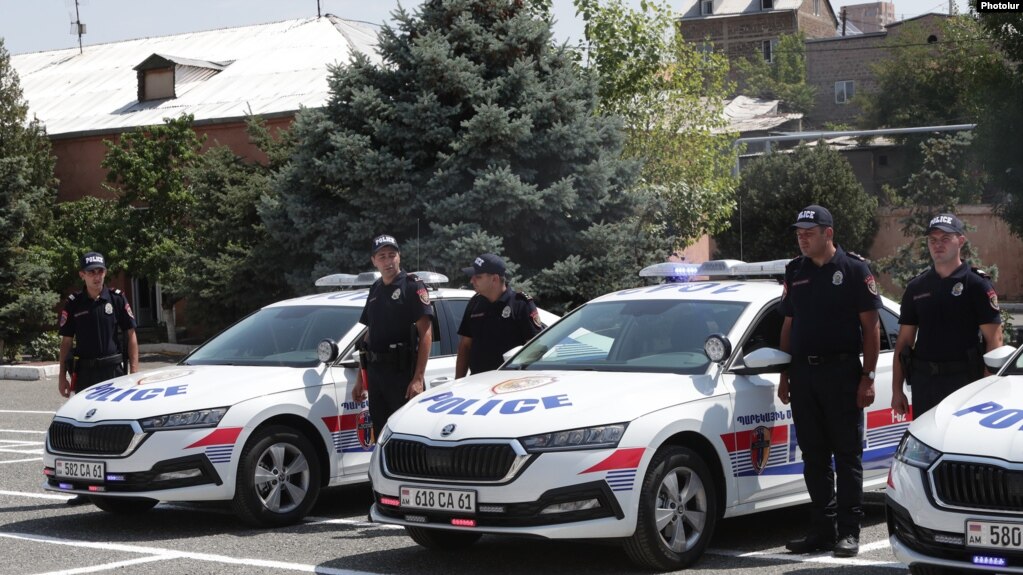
column 439, row 380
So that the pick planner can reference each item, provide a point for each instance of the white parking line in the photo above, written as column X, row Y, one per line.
column 22, row 460
column 21, row 430
column 22, row 411
column 16, row 442
column 108, row 566
column 35, row 495
column 175, row 554
column 826, row 559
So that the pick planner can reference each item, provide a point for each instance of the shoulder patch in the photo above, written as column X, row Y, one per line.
column 981, row 273
column 523, row 296
column 856, row 256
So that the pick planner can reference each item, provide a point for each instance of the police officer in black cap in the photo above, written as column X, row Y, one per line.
column 945, row 310
column 830, row 305
column 497, row 318
column 89, row 323
column 397, row 343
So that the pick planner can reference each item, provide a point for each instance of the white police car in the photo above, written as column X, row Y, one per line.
column 253, row 416
column 955, row 494
column 645, row 416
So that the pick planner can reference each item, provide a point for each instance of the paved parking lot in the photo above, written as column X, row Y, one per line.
column 40, row 534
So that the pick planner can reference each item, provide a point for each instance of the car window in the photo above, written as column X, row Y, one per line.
column 280, row 336
column 889, row 329
column 638, row 335
column 766, row 332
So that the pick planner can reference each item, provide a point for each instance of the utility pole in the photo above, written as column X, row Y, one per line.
column 318, row 15
column 844, row 16
column 79, row 27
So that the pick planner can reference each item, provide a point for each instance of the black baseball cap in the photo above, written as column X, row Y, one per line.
column 91, row 261
column 946, row 223
column 486, row 264
column 813, row 216
column 383, row 242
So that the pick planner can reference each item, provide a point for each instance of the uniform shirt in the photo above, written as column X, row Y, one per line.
column 948, row 312
column 497, row 327
column 392, row 309
column 93, row 323
column 825, row 303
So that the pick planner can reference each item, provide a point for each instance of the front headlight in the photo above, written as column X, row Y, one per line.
column 914, row 452
column 597, row 437
column 385, row 434
column 184, row 420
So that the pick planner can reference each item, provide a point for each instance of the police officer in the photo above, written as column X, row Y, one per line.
column 830, row 306
column 89, row 324
column 497, row 318
column 397, row 344
column 944, row 310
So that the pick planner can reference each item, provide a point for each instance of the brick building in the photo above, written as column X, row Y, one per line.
column 840, row 67
column 867, row 18
column 219, row 76
column 742, row 28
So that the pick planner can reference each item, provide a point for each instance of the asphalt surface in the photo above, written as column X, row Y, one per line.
column 40, row 534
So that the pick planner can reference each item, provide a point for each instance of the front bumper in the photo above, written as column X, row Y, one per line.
column 190, row 471
column 921, row 532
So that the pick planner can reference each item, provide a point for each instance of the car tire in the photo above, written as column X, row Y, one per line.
column 278, row 478
column 123, row 505
column 442, row 540
column 678, row 511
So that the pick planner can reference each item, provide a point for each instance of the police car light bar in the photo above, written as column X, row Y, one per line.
column 348, row 280
column 432, row 278
column 715, row 268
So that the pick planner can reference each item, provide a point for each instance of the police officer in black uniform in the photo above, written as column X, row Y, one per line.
column 945, row 310
column 830, row 305
column 497, row 318
column 397, row 343
column 93, row 324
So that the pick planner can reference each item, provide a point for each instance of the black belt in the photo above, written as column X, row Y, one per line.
column 109, row 360
column 830, row 358
column 922, row 366
column 382, row 356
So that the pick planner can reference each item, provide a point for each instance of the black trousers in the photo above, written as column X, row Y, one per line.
column 87, row 377
column 928, row 389
column 387, row 388
column 829, row 426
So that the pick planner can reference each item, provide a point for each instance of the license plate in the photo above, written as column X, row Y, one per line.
column 90, row 470
column 438, row 499
column 994, row 534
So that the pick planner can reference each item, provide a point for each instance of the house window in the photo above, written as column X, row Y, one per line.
column 767, row 4
column 157, row 84
column 844, row 91
column 768, row 47
column 706, row 7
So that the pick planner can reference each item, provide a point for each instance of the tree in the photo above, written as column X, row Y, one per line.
column 774, row 187
column 944, row 181
column 234, row 266
column 783, row 79
column 148, row 174
column 671, row 96
column 475, row 133
column 27, row 190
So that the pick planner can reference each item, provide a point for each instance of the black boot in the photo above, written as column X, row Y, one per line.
column 810, row 543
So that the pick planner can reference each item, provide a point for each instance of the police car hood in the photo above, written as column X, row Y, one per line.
column 984, row 418
column 518, row 403
column 183, row 388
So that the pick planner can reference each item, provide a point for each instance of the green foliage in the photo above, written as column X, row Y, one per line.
column 46, row 347
column 475, row 133
column 671, row 96
column 87, row 224
column 27, row 190
column 233, row 268
column 148, row 172
column 944, row 181
column 774, row 187
column 784, row 79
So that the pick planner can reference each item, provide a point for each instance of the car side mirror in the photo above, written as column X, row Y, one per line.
column 763, row 360
column 996, row 358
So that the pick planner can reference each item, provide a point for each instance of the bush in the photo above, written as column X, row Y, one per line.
column 46, row 347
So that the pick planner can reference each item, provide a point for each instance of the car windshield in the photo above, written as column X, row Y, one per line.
column 638, row 335
column 277, row 336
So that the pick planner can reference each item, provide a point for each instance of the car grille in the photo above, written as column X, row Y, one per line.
column 979, row 486
column 475, row 462
column 112, row 439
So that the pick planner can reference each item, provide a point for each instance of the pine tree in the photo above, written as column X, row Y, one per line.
column 476, row 133
column 27, row 190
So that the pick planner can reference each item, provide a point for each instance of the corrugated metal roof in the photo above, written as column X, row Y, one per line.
column 745, row 114
column 273, row 68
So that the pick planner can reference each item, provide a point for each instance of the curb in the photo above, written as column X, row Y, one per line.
column 37, row 372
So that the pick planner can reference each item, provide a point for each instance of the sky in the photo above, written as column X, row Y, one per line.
column 38, row 25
